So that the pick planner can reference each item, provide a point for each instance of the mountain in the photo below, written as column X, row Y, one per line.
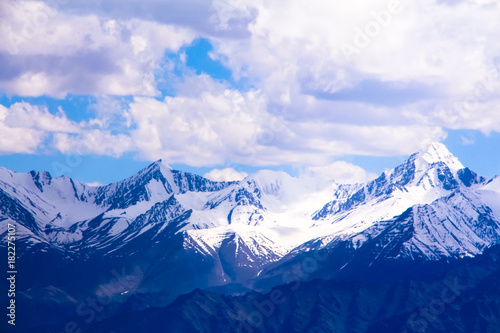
column 426, row 176
column 462, row 297
column 169, row 233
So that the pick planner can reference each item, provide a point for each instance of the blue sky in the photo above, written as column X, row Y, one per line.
column 98, row 90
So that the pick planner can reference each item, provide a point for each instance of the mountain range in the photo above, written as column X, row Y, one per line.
column 173, row 251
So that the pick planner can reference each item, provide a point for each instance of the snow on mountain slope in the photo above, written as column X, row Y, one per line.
column 460, row 224
column 268, row 213
column 437, row 152
column 174, row 232
column 153, row 184
column 63, row 208
column 67, row 211
column 258, row 247
column 426, row 176
column 60, row 201
column 490, row 194
column 457, row 225
column 265, row 199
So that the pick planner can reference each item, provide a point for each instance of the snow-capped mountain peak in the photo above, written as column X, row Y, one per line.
column 437, row 152
column 160, row 165
column 183, row 231
column 424, row 177
column 268, row 212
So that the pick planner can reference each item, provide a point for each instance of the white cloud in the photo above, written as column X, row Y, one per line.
column 92, row 141
column 25, row 127
column 207, row 123
column 467, row 141
column 226, row 174
column 47, row 51
column 19, row 140
column 343, row 172
column 308, row 103
column 24, row 115
column 443, row 51
column 94, row 184
column 210, row 124
column 204, row 129
column 425, row 41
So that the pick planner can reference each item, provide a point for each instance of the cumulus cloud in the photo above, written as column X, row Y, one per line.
column 209, row 123
column 25, row 127
column 226, row 174
column 48, row 51
column 425, row 56
column 93, row 141
column 428, row 42
column 19, row 140
column 203, row 129
column 416, row 69
column 342, row 172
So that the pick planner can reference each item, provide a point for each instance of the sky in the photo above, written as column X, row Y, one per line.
column 98, row 89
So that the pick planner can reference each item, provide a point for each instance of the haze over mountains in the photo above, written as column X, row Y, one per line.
column 178, row 239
